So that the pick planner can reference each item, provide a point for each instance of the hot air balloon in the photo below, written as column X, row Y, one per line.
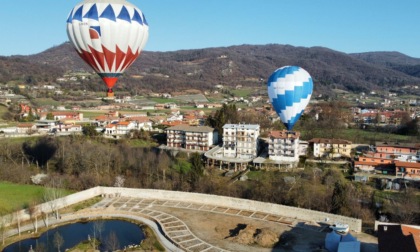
column 108, row 35
column 289, row 90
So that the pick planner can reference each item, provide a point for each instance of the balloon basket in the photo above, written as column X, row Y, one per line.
column 110, row 95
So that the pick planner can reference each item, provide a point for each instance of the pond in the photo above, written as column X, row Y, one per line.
column 114, row 234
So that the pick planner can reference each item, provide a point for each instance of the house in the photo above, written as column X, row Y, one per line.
column 367, row 164
column 170, row 105
column 241, row 140
column 66, row 115
column 69, row 128
column 407, row 170
column 159, row 106
column 397, row 237
column 330, row 148
column 104, row 120
column 26, row 128
column 199, row 138
column 110, row 129
column 406, row 152
column 284, row 146
column 124, row 127
column 142, row 123
column 175, row 117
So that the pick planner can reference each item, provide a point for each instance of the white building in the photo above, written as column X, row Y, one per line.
column 284, row 146
column 124, row 127
column 199, row 138
column 241, row 140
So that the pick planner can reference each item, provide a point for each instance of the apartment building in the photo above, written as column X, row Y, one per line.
column 405, row 152
column 240, row 140
column 284, row 146
column 199, row 138
column 331, row 148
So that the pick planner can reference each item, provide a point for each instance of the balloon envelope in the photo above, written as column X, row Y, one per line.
column 108, row 35
column 289, row 90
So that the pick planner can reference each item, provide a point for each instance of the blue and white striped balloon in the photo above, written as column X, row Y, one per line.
column 289, row 90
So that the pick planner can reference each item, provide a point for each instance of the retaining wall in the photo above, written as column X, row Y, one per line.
column 251, row 205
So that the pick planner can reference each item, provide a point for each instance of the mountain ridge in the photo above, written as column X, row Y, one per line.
column 247, row 65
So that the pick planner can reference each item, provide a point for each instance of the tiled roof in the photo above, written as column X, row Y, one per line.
column 284, row 134
column 329, row 141
column 407, row 164
column 188, row 128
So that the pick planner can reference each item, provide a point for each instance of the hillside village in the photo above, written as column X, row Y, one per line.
column 183, row 118
column 382, row 150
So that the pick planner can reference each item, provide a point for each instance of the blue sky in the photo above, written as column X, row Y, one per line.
column 30, row 27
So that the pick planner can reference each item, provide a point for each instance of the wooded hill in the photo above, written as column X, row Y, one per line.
column 246, row 65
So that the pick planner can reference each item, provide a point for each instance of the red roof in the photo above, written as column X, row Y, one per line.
column 25, row 125
column 124, row 123
column 407, row 164
column 329, row 141
column 284, row 134
column 413, row 231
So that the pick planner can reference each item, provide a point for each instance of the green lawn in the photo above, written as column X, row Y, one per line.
column 47, row 101
column 242, row 92
column 367, row 137
column 15, row 196
column 363, row 136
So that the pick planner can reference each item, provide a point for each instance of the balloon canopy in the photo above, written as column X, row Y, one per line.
column 108, row 35
column 289, row 90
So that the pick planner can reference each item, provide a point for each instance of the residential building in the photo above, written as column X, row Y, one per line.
column 409, row 170
column 284, row 146
column 142, row 123
column 397, row 237
column 241, row 140
column 124, row 127
column 200, row 138
column 111, row 129
column 331, row 148
column 64, row 115
column 26, row 128
column 406, row 152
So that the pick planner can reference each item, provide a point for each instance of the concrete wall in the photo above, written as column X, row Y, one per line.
column 286, row 211
column 291, row 212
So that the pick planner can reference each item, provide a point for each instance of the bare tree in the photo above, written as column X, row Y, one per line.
column 112, row 241
column 3, row 224
column 58, row 241
column 52, row 195
column 33, row 211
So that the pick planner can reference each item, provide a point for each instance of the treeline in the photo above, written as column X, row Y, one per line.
column 81, row 163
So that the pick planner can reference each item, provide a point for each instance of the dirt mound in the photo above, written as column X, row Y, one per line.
column 266, row 238
column 248, row 234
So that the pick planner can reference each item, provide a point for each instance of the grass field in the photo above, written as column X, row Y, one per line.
column 368, row 137
column 47, row 101
column 15, row 196
column 363, row 136
column 242, row 92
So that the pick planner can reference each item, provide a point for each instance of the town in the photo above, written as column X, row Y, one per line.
column 183, row 122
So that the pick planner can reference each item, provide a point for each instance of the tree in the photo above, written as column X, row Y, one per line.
column 58, row 241
column 339, row 198
column 112, row 241
column 33, row 211
column 52, row 195
column 196, row 169
column 89, row 130
column 50, row 116
column 227, row 114
column 5, row 218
